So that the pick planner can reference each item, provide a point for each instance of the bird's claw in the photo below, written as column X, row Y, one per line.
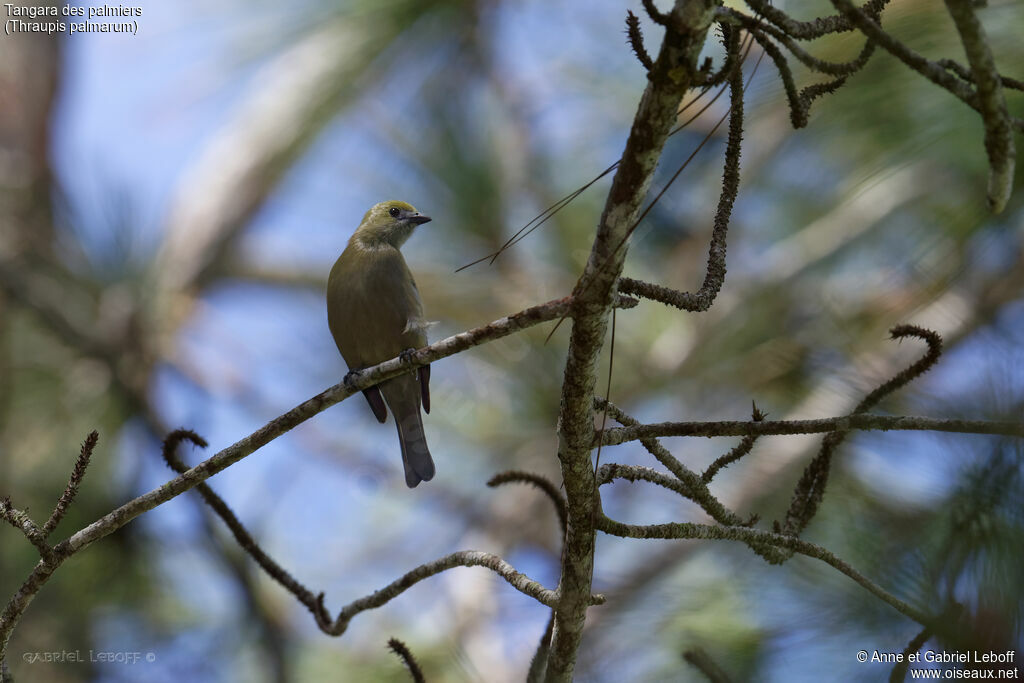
column 406, row 356
column 350, row 378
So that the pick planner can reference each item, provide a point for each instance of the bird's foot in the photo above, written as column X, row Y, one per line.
column 406, row 356
column 350, row 378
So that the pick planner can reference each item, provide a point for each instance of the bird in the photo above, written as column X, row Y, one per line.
column 375, row 313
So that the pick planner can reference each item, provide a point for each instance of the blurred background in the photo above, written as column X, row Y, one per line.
column 171, row 204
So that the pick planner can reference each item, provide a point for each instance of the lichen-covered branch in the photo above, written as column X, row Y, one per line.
column 673, row 73
column 991, row 102
column 864, row 422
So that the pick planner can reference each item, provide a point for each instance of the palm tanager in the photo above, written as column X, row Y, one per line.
column 375, row 313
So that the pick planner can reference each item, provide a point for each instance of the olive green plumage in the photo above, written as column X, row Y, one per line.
column 375, row 313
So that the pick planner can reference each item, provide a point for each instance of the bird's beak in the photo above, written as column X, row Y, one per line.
column 418, row 219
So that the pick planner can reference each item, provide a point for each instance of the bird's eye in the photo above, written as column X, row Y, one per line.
column 393, row 211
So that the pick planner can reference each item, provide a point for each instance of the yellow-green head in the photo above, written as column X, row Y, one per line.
column 390, row 222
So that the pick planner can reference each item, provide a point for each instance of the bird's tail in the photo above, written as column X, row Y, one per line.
column 405, row 407
column 419, row 466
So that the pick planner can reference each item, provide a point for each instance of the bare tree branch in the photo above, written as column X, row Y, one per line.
column 992, row 103
column 674, row 72
column 866, row 421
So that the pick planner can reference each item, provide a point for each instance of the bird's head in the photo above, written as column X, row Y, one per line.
column 390, row 222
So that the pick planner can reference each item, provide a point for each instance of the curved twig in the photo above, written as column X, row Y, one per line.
column 238, row 530
column 811, row 488
column 463, row 558
column 539, row 482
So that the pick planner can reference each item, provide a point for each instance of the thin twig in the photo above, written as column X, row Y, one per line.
column 72, row 488
column 636, row 40
column 403, row 652
column 613, row 470
column 538, row 664
column 715, row 275
column 824, row 66
column 864, row 422
column 800, row 101
column 810, row 489
column 656, row 16
column 899, row 672
column 742, row 448
column 539, row 482
column 965, row 73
